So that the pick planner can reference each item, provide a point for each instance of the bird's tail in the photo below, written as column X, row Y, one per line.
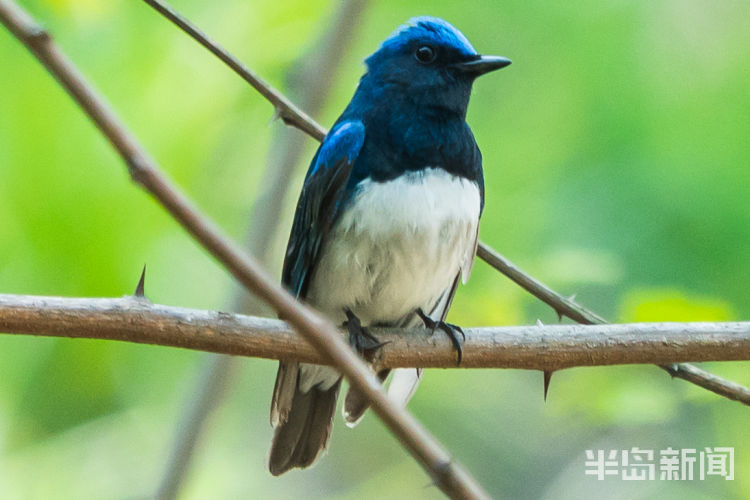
column 302, row 420
column 403, row 384
column 356, row 404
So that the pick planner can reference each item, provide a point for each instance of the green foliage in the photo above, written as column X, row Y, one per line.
column 617, row 168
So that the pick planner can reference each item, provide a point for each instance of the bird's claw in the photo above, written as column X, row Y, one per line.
column 450, row 329
column 360, row 338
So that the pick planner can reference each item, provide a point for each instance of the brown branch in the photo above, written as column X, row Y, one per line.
column 546, row 347
column 285, row 109
column 707, row 380
column 563, row 306
column 447, row 474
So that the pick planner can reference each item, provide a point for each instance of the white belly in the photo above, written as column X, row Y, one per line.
column 398, row 247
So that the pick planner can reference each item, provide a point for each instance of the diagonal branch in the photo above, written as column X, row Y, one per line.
column 285, row 109
column 568, row 307
column 564, row 307
column 315, row 72
column 447, row 474
column 548, row 347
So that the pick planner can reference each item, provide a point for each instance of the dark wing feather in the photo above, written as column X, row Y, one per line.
column 323, row 194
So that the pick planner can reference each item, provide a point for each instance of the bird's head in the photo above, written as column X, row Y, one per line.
column 432, row 62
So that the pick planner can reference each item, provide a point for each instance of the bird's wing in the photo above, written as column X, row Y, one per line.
column 323, row 194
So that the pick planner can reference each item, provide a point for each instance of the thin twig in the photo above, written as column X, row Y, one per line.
column 709, row 381
column 447, row 474
column 285, row 109
column 318, row 70
column 562, row 305
column 547, row 347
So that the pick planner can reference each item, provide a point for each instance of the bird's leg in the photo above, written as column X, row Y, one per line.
column 361, row 340
column 450, row 329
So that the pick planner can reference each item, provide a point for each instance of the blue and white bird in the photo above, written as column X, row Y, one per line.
column 387, row 221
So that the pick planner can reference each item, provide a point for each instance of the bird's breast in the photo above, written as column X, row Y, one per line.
column 397, row 246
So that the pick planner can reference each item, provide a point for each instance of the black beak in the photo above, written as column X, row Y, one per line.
column 483, row 64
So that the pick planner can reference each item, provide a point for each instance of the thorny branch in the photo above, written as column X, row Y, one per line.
column 548, row 347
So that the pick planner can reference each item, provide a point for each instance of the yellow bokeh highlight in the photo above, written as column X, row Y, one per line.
column 666, row 304
column 82, row 10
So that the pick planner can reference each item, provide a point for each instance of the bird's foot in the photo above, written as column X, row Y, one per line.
column 453, row 331
column 360, row 338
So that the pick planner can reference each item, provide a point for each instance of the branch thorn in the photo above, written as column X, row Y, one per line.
column 39, row 34
column 547, row 380
column 277, row 113
column 140, row 289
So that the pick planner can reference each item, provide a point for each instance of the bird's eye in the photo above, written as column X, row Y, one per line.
column 425, row 54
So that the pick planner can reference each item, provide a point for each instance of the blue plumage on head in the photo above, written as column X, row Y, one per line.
column 434, row 29
column 425, row 30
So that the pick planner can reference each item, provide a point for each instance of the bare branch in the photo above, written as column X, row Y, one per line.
column 562, row 305
column 707, row 380
column 447, row 474
column 547, row 347
column 285, row 109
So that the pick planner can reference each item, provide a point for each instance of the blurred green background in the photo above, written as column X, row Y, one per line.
column 617, row 168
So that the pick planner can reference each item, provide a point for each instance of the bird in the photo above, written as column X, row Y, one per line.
column 386, row 224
